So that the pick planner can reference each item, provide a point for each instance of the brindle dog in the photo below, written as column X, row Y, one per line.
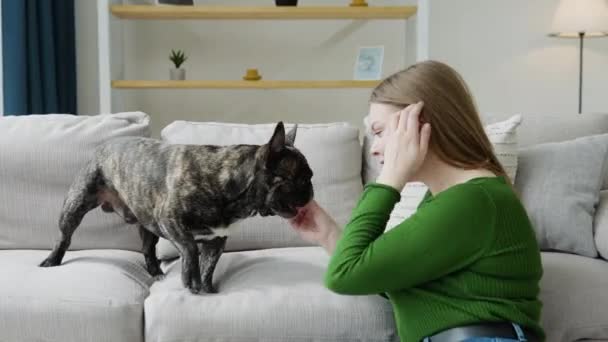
column 187, row 194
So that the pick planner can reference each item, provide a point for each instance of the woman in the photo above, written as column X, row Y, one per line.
column 466, row 265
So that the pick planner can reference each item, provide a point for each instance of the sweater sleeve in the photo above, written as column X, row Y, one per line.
column 444, row 235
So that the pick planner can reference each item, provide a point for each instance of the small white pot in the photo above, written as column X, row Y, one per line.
column 177, row 74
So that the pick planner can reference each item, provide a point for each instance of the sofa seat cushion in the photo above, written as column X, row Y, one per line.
column 95, row 295
column 575, row 297
column 265, row 295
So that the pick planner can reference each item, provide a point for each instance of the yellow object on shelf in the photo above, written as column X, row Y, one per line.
column 358, row 3
column 252, row 75
column 237, row 84
column 262, row 12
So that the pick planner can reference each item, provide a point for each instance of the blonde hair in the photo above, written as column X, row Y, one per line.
column 458, row 137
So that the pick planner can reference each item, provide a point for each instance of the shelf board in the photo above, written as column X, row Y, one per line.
column 237, row 84
column 275, row 12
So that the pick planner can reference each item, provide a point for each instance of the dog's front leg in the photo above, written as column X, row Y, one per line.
column 188, row 250
column 210, row 254
column 149, row 241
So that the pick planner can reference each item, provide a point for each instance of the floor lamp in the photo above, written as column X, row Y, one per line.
column 580, row 19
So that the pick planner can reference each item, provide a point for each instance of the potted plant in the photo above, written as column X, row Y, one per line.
column 178, row 58
column 286, row 2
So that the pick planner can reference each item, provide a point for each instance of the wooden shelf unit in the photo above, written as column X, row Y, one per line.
column 237, row 84
column 257, row 13
column 115, row 9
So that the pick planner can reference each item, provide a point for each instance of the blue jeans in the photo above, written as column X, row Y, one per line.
column 518, row 330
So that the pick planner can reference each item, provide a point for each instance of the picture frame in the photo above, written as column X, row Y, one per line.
column 368, row 65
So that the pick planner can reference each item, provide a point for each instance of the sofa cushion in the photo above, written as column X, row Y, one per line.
column 543, row 128
column 95, row 295
column 559, row 184
column 265, row 295
column 575, row 301
column 333, row 152
column 600, row 225
column 39, row 156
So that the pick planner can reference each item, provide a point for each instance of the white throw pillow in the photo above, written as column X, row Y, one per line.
column 39, row 157
column 502, row 135
column 333, row 152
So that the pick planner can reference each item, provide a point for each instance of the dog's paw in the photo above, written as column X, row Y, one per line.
column 195, row 286
column 209, row 289
column 194, row 289
column 159, row 277
column 49, row 262
column 156, row 272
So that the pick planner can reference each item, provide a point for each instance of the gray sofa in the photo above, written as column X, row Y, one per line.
column 573, row 288
column 269, row 281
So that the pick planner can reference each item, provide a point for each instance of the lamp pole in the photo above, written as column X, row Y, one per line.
column 581, row 36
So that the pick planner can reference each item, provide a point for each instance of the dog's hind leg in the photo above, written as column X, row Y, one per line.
column 210, row 254
column 149, row 241
column 81, row 198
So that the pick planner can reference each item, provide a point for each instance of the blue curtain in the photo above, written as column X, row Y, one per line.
column 39, row 56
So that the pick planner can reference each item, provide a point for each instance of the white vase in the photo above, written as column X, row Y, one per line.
column 177, row 74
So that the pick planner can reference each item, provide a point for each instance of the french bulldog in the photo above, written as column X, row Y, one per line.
column 187, row 194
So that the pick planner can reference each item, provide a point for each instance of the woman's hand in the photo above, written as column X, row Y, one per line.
column 406, row 147
column 314, row 225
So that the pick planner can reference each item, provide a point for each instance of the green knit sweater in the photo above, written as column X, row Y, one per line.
column 467, row 255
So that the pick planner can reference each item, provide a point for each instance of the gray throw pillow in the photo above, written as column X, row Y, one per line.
column 559, row 184
column 600, row 225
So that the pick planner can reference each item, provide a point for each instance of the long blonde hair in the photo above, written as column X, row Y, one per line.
column 458, row 137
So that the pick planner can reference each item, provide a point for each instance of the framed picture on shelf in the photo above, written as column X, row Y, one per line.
column 368, row 65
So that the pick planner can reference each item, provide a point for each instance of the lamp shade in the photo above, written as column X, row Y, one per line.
column 575, row 16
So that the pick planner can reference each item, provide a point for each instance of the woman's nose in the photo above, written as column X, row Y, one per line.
column 376, row 149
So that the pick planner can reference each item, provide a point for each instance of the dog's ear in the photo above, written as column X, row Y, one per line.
column 276, row 143
column 290, row 139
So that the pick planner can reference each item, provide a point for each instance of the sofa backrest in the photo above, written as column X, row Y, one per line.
column 39, row 157
column 543, row 128
column 333, row 153
column 537, row 129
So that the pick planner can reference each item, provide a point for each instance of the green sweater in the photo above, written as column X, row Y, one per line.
column 467, row 255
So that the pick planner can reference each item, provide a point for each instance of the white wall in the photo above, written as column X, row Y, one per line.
column 503, row 51
column 500, row 47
